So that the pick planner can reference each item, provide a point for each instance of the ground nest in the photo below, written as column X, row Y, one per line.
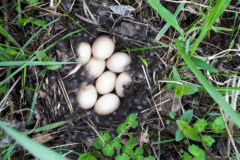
column 137, row 95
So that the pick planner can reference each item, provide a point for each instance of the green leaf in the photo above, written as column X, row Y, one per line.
column 133, row 155
column 216, row 12
column 130, row 145
column 139, row 157
column 24, row 21
column 208, row 140
column 125, row 149
column 39, row 22
column 199, row 125
column 166, row 15
column 98, row 144
column 149, row 158
column 187, row 116
column 10, row 152
column 38, row 150
column 172, row 115
column 176, row 76
column 227, row 108
column 131, row 142
column 134, row 124
column 197, row 152
column 139, row 150
column 97, row 154
column 41, row 56
column 185, row 89
column 203, row 65
column 106, row 136
column 121, row 128
column 32, row 1
column 116, row 143
column 217, row 125
column 108, row 150
column 179, row 135
column 3, row 147
column 122, row 157
column 166, row 26
column 131, row 120
column 187, row 156
column 86, row 156
column 144, row 61
column 4, row 56
column 187, row 130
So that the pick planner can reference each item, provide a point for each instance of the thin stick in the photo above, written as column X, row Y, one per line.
column 95, row 131
column 65, row 93
column 3, row 101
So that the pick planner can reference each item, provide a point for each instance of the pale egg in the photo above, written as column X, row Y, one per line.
column 83, row 52
column 118, row 62
column 107, row 104
column 105, row 82
column 122, row 80
column 95, row 67
column 86, row 97
column 103, row 47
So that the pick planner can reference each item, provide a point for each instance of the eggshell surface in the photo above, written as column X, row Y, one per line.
column 118, row 62
column 103, row 47
column 105, row 82
column 107, row 104
column 122, row 80
column 95, row 67
column 84, row 52
column 86, row 97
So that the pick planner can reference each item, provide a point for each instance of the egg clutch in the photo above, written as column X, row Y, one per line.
column 109, row 70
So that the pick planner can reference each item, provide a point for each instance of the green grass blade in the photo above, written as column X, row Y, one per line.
column 225, row 89
column 67, row 35
column 34, row 58
column 203, row 64
column 166, row 15
column 164, row 141
column 19, row 13
column 35, row 34
column 50, row 126
column 9, row 152
column 33, row 63
column 8, row 36
column 226, row 107
column 213, row 75
column 15, row 72
column 33, row 105
column 218, row 9
column 166, row 26
column 38, row 150
column 68, row 150
column 146, row 48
